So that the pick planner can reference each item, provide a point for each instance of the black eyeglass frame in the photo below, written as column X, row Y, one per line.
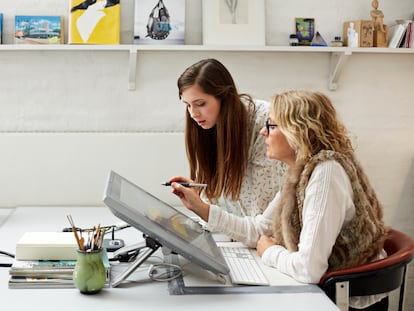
column 268, row 125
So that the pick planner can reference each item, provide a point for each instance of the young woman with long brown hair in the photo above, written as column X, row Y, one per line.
column 224, row 147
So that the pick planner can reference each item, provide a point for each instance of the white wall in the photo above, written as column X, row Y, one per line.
column 71, row 169
column 86, row 92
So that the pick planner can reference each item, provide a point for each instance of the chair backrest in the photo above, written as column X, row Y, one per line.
column 375, row 277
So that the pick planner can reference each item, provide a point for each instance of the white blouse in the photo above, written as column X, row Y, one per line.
column 327, row 207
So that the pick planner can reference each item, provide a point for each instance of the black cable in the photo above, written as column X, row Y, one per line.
column 6, row 254
column 6, row 265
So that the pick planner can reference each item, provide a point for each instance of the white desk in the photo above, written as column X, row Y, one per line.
column 139, row 294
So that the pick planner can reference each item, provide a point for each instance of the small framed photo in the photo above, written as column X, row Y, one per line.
column 38, row 29
column 305, row 30
column 234, row 22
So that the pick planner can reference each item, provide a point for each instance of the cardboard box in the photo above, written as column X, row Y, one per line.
column 365, row 30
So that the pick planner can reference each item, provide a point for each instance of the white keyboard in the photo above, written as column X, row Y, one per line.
column 243, row 266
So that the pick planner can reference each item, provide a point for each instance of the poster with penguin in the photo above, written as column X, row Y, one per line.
column 159, row 22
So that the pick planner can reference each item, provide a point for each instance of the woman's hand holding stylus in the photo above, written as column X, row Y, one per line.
column 191, row 199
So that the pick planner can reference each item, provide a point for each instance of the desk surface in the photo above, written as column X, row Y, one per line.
column 139, row 292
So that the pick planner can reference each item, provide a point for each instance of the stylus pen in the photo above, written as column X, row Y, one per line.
column 186, row 184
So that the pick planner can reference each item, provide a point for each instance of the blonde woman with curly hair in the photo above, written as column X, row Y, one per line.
column 326, row 216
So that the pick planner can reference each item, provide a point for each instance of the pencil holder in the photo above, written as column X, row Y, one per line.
column 89, row 275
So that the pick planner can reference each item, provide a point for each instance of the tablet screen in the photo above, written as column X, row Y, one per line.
column 162, row 222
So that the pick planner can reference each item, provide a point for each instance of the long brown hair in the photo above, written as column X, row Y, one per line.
column 218, row 156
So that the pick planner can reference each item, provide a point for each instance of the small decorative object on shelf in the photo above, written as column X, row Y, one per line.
column 318, row 40
column 336, row 42
column 305, row 30
column 380, row 35
column 353, row 36
column 293, row 40
column 159, row 22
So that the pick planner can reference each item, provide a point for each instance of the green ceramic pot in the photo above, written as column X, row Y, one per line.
column 89, row 275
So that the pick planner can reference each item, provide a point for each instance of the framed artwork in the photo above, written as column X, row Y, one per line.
column 234, row 22
column 305, row 30
column 94, row 22
column 38, row 29
column 159, row 22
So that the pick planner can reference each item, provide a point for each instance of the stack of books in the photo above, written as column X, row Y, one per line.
column 401, row 34
column 47, row 259
column 42, row 274
column 47, row 273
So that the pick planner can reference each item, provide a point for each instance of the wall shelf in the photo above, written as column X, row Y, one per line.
column 339, row 55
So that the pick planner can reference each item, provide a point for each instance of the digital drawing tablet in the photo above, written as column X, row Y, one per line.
column 163, row 223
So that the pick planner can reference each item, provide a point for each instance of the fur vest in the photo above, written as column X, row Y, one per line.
column 360, row 240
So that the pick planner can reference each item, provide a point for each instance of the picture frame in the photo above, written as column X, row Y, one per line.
column 38, row 29
column 234, row 22
column 94, row 22
column 152, row 28
column 305, row 30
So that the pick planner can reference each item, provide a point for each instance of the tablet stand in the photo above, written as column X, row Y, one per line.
column 151, row 247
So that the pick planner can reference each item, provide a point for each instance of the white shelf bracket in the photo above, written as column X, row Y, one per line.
column 132, row 69
column 338, row 60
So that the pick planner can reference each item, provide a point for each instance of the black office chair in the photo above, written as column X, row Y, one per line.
column 376, row 277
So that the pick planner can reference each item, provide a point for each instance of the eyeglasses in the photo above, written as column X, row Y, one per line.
column 269, row 126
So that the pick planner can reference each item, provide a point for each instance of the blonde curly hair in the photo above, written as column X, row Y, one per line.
column 310, row 123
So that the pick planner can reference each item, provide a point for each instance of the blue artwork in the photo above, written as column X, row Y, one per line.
column 305, row 30
column 38, row 29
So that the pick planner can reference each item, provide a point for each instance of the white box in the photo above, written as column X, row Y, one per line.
column 47, row 246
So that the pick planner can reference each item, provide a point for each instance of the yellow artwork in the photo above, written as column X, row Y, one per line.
column 94, row 22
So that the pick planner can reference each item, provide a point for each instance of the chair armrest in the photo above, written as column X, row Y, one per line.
column 400, row 250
